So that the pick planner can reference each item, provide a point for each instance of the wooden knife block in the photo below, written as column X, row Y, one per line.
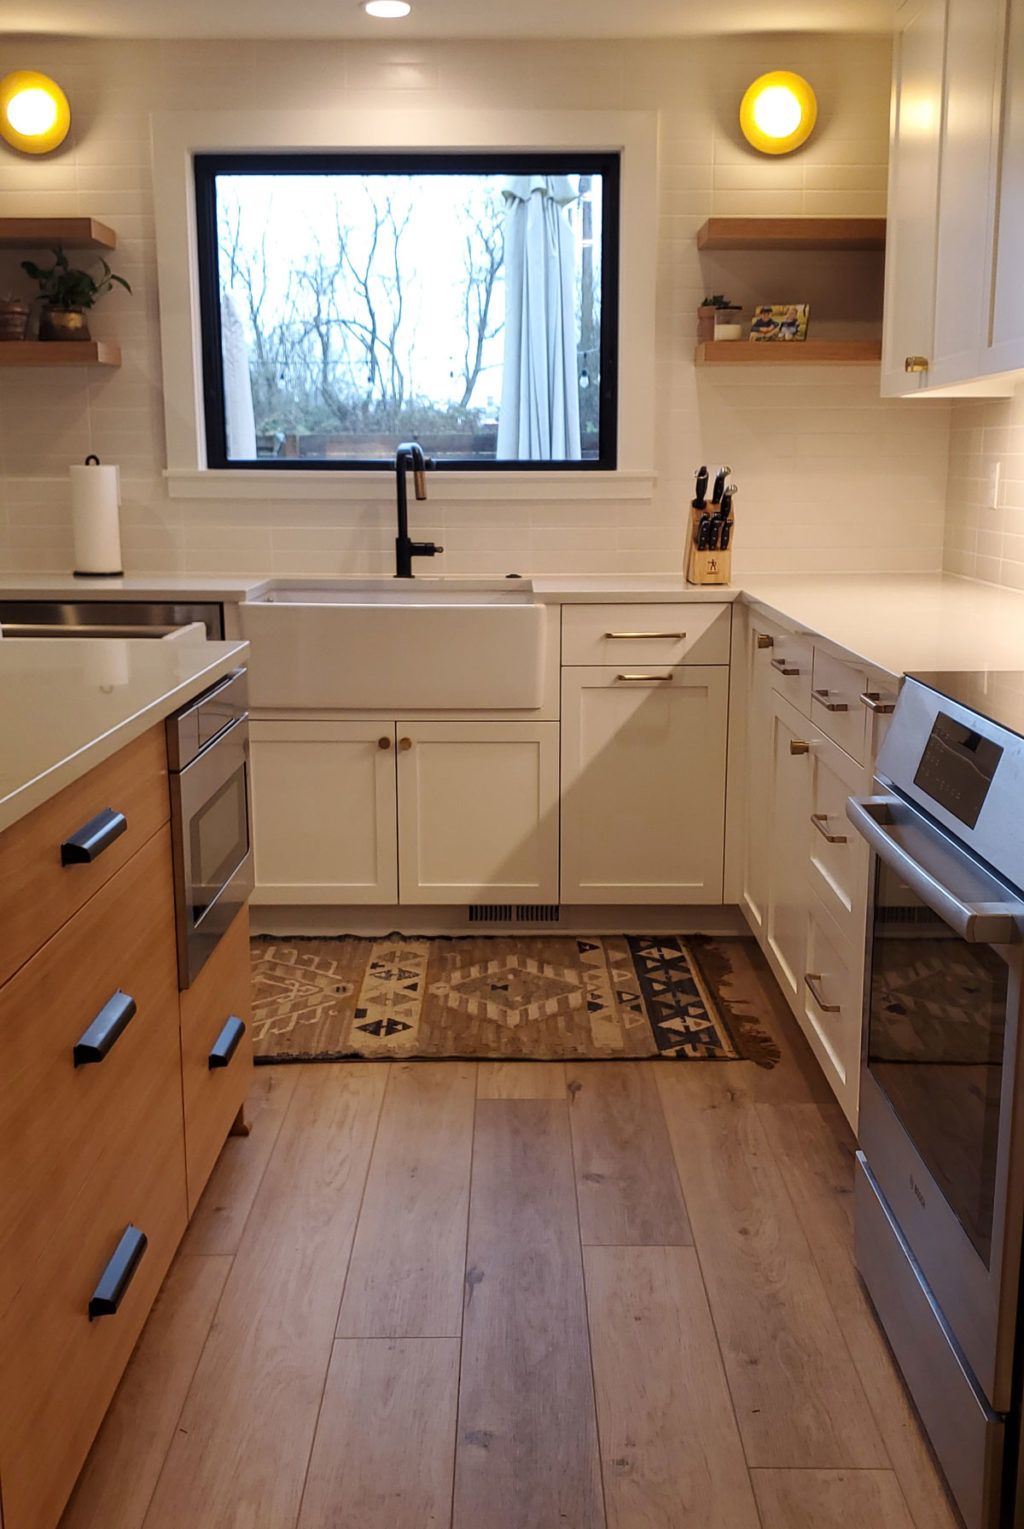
column 706, row 567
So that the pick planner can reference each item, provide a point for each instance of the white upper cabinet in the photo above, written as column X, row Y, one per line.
column 1006, row 333
column 947, row 178
column 912, row 216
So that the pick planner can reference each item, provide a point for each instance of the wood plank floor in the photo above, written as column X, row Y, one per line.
column 521, row 1296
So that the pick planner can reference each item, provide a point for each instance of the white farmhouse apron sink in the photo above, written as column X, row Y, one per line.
column 395, row 644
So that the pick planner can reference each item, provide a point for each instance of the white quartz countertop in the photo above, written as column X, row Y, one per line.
column 894, row 622
column 66, row 706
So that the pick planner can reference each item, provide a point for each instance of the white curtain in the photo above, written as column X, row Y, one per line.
column 540, row 406
column 239, row 420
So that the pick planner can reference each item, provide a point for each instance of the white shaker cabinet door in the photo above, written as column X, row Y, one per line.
column 1006, row 348
column 789, row 803
column 974, row 36
column 912, row 218
column 323, row 807
column 643, row 783
column 477, row 812
column 760, row 649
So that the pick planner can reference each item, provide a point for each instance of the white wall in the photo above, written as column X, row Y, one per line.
column 830, row 476
column 985, row 540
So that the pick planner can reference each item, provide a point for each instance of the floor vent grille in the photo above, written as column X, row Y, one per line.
column 519, row 913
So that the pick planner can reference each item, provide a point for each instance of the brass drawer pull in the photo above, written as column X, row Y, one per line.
column 916, row 364
column 405, row 744
column 226, row 1044
column 811, row 979
column 822, row 698
column 628, row 636
column 798, row 746
column 98, row 1040
column 820, row 821
column 783, row 666
column 118, row 1274
column 876, row 702
column 88, row 842
column 764, row 641
column 641, row 679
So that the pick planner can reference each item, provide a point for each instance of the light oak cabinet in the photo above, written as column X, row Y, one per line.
column 643, row 783
column 95, row 1140
column 953, row 308
column 412, row 812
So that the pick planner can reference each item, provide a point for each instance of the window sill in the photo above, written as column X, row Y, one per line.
column 458, row 487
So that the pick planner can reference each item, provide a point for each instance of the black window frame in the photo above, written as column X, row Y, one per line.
column 206, row 167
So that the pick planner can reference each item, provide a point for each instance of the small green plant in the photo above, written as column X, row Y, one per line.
column 62, row 286
column 718, row 301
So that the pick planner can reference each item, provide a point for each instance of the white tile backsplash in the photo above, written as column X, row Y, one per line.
column 830, row 476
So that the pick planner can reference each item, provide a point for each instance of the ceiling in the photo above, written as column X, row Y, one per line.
column 445, row 18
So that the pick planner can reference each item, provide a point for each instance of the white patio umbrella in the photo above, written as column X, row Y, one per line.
column 540, row 407
column 239, row 420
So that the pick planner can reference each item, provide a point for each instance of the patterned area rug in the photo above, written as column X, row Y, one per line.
column 540, row 998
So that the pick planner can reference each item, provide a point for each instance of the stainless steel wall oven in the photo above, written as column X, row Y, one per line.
column 940, row 1174
column 208, row 754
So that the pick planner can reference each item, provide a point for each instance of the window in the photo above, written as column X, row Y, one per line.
column 353, row 301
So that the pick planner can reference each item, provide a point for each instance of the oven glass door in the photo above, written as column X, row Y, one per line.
column 218, row 833
column 936, row 1028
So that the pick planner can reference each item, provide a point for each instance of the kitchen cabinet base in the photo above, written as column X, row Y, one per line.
column 722, row 920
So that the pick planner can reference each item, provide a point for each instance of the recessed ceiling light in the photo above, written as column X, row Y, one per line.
column 389, row 10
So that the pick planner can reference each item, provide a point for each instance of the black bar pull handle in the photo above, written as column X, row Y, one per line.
column 226, row 1044
column 94, row 1044
column 89, row 841
column 118, row 1274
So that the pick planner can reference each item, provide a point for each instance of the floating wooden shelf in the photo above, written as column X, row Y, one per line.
column 792, row 234
column 788, row 352
column 74, row 233
column 59, row 353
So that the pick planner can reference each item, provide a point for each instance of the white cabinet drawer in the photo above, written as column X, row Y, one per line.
column 787, row 658
column 836, row 705
column 838, row 863
column 646, row 634
column 832, row 1005
column 852, row 703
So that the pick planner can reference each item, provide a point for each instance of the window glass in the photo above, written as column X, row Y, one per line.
column 353, row 302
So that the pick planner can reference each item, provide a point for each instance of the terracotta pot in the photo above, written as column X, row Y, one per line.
column 63, row 324
column 14, row 318
column 706, row 321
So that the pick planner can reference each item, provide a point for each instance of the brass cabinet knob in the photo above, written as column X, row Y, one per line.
column 916, row 364
column 798, row 746
column 764, row 641
column 384, row 743
column 405, row 744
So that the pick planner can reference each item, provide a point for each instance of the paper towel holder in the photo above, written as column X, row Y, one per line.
column 95, row 521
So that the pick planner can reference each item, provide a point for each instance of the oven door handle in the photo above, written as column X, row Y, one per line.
column 988, row 923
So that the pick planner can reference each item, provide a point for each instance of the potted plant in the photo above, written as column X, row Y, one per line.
column 67, row 293
column 711, row 313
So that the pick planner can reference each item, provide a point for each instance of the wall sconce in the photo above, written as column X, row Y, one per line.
column 34, row 112
column 778, row 112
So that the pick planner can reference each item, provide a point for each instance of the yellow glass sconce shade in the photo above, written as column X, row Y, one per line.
column 778, row 112
column 34, row 112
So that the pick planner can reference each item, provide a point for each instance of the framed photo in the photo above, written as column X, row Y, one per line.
column 780, row 321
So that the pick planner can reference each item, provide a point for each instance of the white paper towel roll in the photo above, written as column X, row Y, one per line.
column 95, row 496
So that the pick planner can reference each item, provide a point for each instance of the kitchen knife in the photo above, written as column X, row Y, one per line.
column 719, row 488
column 703, row 528
column 726, row 534
column 699, row 499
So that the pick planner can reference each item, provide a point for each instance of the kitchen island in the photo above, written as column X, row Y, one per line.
column 115, row 1099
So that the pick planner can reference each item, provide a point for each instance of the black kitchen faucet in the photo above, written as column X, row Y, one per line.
column 410, row 455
